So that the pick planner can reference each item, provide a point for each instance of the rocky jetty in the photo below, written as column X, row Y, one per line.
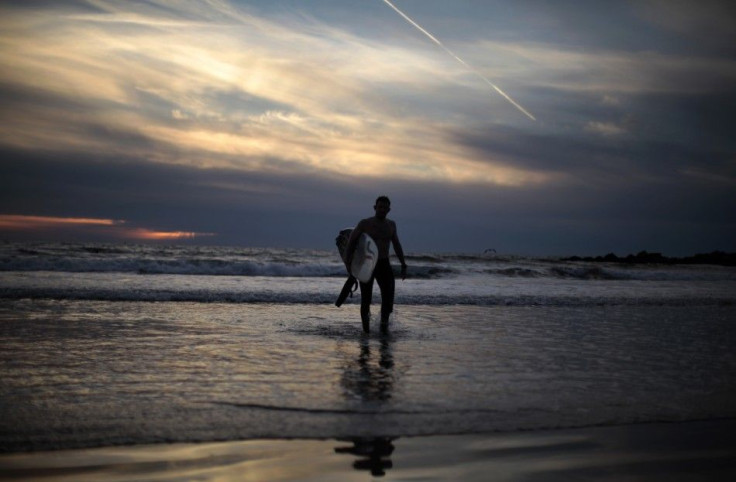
column 719, row 258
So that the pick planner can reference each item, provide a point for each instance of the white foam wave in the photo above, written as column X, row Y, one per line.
column 211, row 267
column 284, row 263
column 310, row 297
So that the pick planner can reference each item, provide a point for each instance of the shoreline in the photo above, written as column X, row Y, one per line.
column 694, row 450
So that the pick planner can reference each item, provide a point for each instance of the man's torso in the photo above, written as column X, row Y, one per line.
column 382, row 232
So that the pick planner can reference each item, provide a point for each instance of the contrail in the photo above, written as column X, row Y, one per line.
column 471, row 69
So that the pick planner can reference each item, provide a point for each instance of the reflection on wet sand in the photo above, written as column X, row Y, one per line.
column 366, row 379
column 373, row 453
column 370, row 381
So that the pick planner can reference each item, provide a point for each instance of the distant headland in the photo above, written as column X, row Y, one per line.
column 643, row 257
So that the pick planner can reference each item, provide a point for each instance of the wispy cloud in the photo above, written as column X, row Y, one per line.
column 608, row 129
column 210, row 85
column 217, row 89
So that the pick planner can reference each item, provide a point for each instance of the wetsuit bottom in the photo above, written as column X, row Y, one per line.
column 384, row 275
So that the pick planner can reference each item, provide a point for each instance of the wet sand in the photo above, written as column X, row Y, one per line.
column 689, row 451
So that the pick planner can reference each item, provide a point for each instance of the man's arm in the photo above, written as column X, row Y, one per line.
column 399, row 252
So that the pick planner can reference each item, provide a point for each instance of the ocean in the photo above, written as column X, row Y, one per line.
column 106, row 345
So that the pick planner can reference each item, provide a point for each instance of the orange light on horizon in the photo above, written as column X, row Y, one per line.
column 142, row 233
column 20, row 221
column 108, row 227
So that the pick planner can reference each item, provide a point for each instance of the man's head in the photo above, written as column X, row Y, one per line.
column 382, row 207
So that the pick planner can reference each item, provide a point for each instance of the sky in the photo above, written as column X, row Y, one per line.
column 279, row 122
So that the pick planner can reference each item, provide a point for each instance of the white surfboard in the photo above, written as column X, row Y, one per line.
column 365, row 258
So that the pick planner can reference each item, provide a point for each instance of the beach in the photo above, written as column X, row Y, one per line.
column 236, row 365
column 690, row 451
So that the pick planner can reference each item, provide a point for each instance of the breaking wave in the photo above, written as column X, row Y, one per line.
column 328, row 297
column 281, row 264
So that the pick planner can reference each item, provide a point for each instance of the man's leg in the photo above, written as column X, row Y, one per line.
column 366, row 296
column 387, row 283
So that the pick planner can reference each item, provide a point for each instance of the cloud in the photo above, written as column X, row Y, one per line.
column 599, row 209
column 216, row 86
column 256, row 119
column 614, row 71
column 610, row 100
column 187, row 89
column 689, row 20
column 608, row 129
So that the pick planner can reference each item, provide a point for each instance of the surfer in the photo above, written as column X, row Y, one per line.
column 383, row 231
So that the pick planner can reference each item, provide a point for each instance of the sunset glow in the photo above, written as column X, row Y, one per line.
column 15, row 221
column 146, row 234
column 115, row 229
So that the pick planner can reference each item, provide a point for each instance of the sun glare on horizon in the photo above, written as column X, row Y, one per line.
column 113, row 228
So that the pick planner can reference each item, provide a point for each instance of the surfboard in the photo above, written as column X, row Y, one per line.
column 363, row 264
column 365, row 258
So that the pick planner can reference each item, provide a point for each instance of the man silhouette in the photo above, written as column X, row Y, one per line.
column 383, row 231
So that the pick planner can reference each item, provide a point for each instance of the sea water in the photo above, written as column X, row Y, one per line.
column 133, row 344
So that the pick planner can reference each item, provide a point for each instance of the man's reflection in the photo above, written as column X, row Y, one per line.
column 374, row 454
column 367, row 379
column 371, row 381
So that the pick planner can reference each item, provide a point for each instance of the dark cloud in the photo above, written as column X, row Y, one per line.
column 670, row 26
column 242, row 207
column 697, row 28
column 593, row 159
column 655, row 136
column 305, row 211
column 16, row 97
